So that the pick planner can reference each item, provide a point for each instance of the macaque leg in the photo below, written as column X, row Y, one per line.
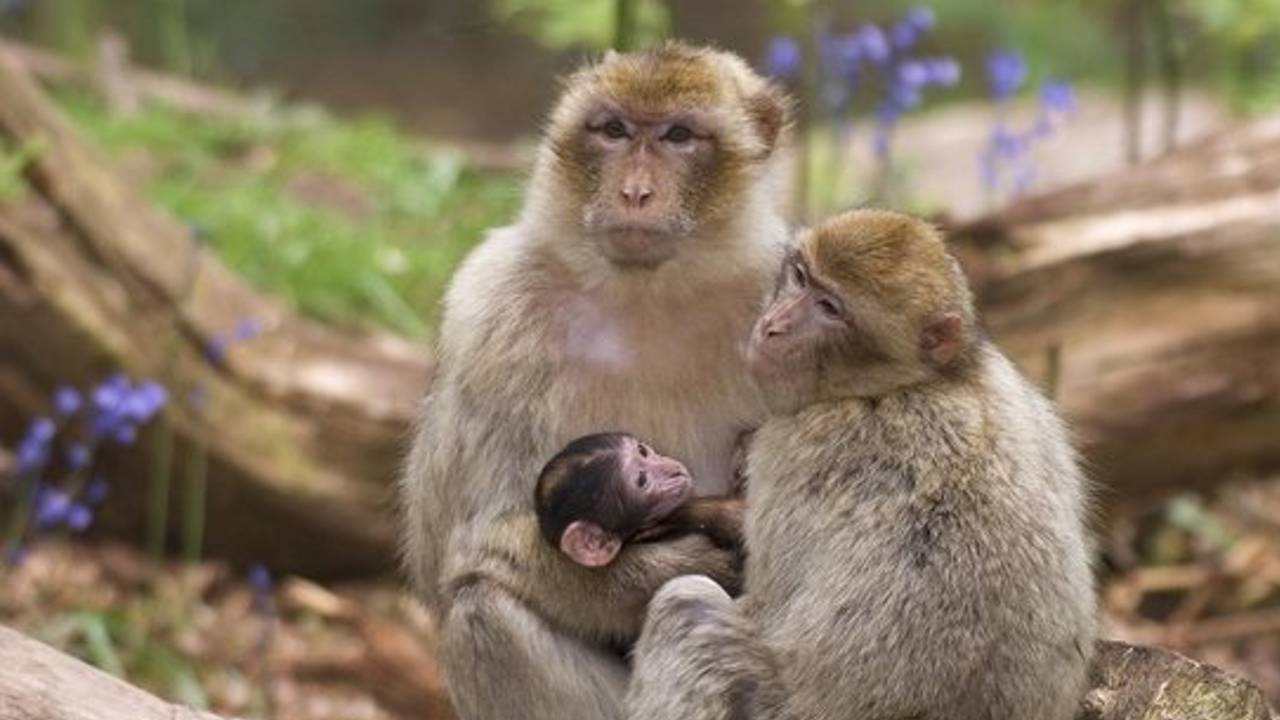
column 699, row 658
column 503, row 661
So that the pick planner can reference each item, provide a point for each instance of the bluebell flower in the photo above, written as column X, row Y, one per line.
column 77, row 456
column 1006, row 71
column 875, row 47
column 79, row 517
column 783, row 58
column 1058, row 96
column 67, row 401
column 913, row 74
column 921, row 17
column 247, row 329
column 943, row 71
column 145, row 400
column 33, row 450
column 125, row 434
column 845, row 53
column 51, row 507
column 260, row 582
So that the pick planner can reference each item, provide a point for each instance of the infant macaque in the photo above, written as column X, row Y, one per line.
column 605, row 490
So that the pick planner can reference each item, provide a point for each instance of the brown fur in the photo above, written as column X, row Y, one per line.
column 545, row 339
column 916, row 540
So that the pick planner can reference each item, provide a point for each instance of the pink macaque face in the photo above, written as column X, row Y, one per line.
column 644, row 488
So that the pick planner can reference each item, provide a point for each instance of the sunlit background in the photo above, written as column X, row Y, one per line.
column 181, row 444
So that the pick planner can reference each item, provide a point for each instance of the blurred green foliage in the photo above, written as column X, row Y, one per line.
column 564, row 24
column 347, row 220
column 13, row 162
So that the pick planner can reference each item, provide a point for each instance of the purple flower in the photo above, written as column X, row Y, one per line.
column 913, row 74
column 79, row 517
column 260, row 582
column 845, row 54
column 921, row 17
column 1058, row 97
column 1006, row 71
column 33, row 451
column 875, row 47
column 67, row 401
column 783, row 58
column 247, row 329
column 77, row 456
column 125, row 434
column 146, row 400
column 51, row 508
column 216, row 352
column 943, row 71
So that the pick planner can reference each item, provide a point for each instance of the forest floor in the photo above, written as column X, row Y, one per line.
column 1200, row 577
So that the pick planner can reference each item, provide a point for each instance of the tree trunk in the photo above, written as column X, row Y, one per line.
column 304, row 423
column 1149, row 302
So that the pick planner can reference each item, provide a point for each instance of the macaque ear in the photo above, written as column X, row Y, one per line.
column 770, row 111
column 943, row 338
column 589, row 544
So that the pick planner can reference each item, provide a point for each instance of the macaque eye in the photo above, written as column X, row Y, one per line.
column 644, row 450
column 642, row 480
column 830, row 308
column 678, row 134
column 615, row 129
column 798, row 275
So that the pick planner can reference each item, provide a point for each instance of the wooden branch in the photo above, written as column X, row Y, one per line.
column 1132, row 681
column 40, row 683
column 1154, row 292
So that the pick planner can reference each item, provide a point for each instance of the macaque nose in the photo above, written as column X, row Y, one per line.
column 636, row 194
column 775, row 326
column 667, row 469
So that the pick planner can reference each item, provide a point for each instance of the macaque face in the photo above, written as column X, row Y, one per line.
column 608, row 488
column 655, row 483
column 649, row 167
column 803, row 321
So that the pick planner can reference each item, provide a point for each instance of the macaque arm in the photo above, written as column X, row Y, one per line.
column 597, row 603
column 719, row 518
column 700, row 658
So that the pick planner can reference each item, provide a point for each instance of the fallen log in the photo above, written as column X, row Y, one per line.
column 1149, row 302
column 1127, row 681
column 303, row 424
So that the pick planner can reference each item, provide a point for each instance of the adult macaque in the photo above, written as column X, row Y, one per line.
column 650, row 234
column 914, row 523
column 608, row 489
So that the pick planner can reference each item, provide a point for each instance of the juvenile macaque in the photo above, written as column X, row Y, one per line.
column 607, row 489
column 619, row 298
column 914, row 523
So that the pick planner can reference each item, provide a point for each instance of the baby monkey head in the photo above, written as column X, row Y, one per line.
column 868, row 302
column 653, row 147
column 602, row 489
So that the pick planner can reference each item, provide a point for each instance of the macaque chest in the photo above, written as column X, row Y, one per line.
column 688, row 396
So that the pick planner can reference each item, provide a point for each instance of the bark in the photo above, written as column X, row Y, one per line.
column 1133, row 682
column 1147, row 302
column 38, row 683
column 303, row 423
